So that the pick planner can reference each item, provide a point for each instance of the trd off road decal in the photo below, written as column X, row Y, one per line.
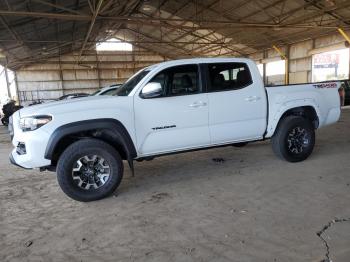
column 163, row 127
column 326, row 85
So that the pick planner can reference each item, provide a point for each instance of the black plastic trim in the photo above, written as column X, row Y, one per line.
column 312, row 83
column 204, row 75
column 267, row 112
column 122, row 135
column 195, row 149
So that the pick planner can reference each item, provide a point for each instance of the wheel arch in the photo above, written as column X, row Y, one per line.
column 308, row 111
column 109, row 130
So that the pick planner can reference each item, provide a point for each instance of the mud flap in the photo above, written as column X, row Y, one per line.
column 131, row 165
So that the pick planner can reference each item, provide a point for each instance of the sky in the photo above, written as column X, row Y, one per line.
column 113, row 44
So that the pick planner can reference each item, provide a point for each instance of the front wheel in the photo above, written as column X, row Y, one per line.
column 89, row 169
column 294, row 139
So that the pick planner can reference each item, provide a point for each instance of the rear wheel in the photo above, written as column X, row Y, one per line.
column 294, row 139
column 89, row 169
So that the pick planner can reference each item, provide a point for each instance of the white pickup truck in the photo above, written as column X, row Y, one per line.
column 171, row 107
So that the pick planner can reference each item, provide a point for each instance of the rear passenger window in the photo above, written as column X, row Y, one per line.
column 228, row 76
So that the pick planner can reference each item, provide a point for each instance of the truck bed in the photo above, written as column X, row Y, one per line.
column 323, row 97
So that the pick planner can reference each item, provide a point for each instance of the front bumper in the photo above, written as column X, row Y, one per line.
column 32, row 154
column 13, row 162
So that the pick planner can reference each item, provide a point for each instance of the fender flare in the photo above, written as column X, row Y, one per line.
column 120, row 134
column 273, row 122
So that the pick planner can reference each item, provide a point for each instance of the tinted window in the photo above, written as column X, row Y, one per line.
column 161, row 79
column 228, row 76
column 178, row 80
column 183, row 80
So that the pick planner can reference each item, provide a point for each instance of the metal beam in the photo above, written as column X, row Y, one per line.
column 347, row 38
column 9, row 29
column 328, row 11
column 57, row 6
column 129, row 41
column 181, row 51
column 7, row 81
column 262, row 9
column 197, row 13
column 164, row 22
column 38, row 56
column 46, row 15
column 77, row 3
column 90, row 28
column 224, row 14
column 297, row 20
column 286, row 63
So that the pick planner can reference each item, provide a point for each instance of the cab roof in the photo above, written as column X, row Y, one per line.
column 200, row 61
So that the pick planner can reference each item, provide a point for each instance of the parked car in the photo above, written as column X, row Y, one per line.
column 106, row 91
column 168, row 108
column 37, row 102
column 346, row 92
column 8, row 109
column 74, row 95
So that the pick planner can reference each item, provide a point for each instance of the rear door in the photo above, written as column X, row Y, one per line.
column 237, row 103
column 179, row 118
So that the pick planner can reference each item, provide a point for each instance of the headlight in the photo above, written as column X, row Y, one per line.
column 33, row 122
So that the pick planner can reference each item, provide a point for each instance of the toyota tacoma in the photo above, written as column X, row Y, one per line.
column 171, row 107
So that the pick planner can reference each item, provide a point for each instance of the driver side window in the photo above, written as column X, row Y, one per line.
column 160, row 78
column 178, row 80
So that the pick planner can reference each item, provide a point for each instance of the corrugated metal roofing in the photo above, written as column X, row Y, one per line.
column 35, row 30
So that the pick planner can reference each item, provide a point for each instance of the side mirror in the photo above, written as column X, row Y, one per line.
column 151, row 90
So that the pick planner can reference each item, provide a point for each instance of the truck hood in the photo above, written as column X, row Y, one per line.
column 71, row 105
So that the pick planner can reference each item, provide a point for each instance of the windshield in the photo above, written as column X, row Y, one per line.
column 94, row 93
column 129, row 85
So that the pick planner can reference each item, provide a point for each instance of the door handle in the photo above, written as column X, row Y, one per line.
column 198, row 104
column 252, row 98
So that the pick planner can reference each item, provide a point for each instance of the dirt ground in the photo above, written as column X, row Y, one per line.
column 249, row 207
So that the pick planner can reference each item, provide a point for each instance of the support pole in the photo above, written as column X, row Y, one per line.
column 264, row 69
column 92, row 23
column 7, row 82
column 98, row 70
column 17, row 89
column 61, row 73
column 347, row 38
column 286, row 63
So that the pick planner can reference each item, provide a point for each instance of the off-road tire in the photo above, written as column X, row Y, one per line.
column 281, row 140
column 79, row 149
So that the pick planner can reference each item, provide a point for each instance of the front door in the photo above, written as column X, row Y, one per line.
column 176, row 120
